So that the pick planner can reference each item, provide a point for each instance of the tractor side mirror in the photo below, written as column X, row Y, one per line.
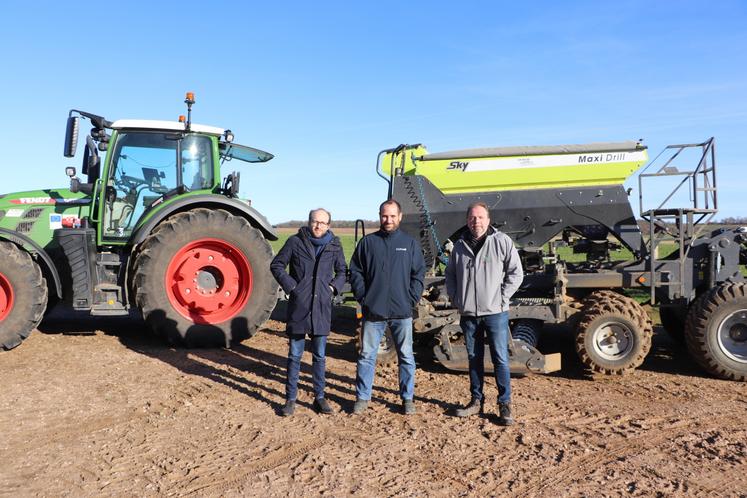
column 71, row 136
column 93, row 163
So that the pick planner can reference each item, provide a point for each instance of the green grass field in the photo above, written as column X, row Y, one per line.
column 348, row 245
column 565, row 253
column 347, row 241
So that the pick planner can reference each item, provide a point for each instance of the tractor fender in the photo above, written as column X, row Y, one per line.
column 233, row 206
column 33, row 248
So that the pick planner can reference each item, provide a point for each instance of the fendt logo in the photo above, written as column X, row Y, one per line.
column 34, row 200
column 460, row 165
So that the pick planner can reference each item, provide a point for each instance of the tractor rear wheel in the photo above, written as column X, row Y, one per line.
column 203, row 279
column 613, row 334
column 23, row 295
column 716, row 331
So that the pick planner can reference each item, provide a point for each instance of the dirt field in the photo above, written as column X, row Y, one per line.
column 118, row 413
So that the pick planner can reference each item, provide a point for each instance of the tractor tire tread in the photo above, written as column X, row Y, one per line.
column 699, row 319
column 617, row 305
column 17, row 327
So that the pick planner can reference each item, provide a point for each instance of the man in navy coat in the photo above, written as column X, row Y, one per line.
column 386, row 275
column 317, row 273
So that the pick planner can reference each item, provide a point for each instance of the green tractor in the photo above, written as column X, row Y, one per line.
column 153, row 226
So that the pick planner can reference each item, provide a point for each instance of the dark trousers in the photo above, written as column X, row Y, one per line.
column 495, row 327
column 296, row 344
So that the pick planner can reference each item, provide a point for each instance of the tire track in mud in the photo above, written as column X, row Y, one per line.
column 274, row 459
column 148, row 451
column 73, row 431
column 578, row 468
column 211, row 464
column 287, row 454
column 720, row 483
column 124, row 441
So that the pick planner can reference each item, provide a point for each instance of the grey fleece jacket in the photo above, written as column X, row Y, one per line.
column 483, row 285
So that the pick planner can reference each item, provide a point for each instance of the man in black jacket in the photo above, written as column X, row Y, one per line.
column 386, row 275
column 317, row 272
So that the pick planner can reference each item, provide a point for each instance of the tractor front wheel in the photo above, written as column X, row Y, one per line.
column 23, row 295
column 203, row 279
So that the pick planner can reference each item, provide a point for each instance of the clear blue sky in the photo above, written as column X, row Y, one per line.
column 325, row 86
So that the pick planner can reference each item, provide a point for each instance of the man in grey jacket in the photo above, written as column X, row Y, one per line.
column 483, row 272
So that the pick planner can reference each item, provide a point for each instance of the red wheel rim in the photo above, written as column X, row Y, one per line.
column 6, row 297
column 209, row 281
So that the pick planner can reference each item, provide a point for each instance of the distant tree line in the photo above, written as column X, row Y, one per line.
column 731, row 220
column 335, row 223
column 734, row 220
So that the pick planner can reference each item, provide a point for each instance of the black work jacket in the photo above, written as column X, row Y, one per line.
column 308, row 282
column 386, row 275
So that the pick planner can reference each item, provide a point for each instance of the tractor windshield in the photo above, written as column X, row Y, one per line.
column 147, row 165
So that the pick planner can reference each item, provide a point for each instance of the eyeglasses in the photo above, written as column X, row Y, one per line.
column 319, row 223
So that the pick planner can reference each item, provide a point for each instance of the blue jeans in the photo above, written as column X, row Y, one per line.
column 372, row 334
column 496, row 329
column 296, row 345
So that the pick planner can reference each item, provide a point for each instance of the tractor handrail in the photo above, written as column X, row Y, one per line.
column 685, row 219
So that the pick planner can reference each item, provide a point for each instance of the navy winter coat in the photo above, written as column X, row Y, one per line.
column 310, row 303
column 386, row 275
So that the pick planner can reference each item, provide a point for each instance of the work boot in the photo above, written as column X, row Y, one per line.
column 408, row 406
column 474, row 407
column 321, row 406
column 504, row 417
column 360, row 406
column 288, row 408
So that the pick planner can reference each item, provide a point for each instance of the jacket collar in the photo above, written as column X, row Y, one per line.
column 384, row 233
column 305, row 235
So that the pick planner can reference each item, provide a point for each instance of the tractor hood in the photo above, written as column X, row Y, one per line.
column 36, row 214
column 46, row 197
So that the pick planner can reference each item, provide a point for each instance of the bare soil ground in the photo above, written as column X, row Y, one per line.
column 119, row 413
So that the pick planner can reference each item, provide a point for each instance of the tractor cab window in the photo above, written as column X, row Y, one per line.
column 197, row 162
column 143, row 169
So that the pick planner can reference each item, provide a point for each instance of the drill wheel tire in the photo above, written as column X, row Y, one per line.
column 613, row 335
column 716, row 331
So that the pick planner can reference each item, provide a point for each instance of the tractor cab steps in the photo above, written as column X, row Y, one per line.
column 94, row 275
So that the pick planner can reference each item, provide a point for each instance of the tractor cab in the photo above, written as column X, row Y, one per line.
column 148, row 164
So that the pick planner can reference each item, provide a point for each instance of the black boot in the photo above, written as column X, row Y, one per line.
column 505, row 418
column 288, row 408
column 474, row 407
column 321, row 406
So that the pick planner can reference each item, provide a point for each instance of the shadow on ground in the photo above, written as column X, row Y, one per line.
column 239, row 366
